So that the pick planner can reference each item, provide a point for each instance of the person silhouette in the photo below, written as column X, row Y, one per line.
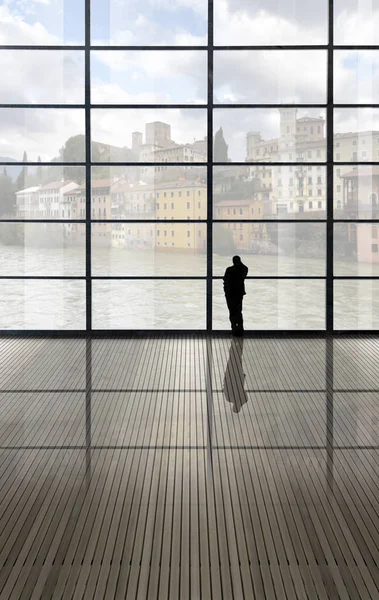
column 234, row 289
column 234, row 379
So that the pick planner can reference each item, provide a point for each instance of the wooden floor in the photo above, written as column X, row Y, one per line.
column 187, row 467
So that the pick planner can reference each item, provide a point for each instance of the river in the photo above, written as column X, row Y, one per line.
column 148, row 304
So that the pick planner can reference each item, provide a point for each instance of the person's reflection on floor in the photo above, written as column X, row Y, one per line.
column 234, row 380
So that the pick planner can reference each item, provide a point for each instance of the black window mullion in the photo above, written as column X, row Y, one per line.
column 88, row 163
column 329, row 178
column 209, row 291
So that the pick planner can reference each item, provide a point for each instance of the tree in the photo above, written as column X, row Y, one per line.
column 7, row 197
column 73, row 150
column 220, row 148
column 39, row 175
column 21, row 181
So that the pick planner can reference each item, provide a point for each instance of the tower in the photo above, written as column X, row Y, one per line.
column 136, row 142
column 158, row 134
column 288, row 121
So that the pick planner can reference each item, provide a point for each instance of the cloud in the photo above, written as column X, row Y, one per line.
column 356, row 77
column 248, row 23
column 41, row 132
column 150, row 77
column 356, row 23
column 270, row 76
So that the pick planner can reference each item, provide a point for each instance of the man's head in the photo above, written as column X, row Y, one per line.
column 236, row 260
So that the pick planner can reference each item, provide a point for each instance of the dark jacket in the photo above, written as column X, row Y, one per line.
column 234, row 280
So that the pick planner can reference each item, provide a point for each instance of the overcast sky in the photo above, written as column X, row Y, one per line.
column 162, row 77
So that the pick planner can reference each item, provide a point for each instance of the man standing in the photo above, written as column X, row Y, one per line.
column 234, row 288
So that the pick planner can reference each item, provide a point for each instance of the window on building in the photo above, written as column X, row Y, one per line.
column 188, row 205
column 374, row 248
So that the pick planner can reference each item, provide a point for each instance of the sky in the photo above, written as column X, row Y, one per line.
column 167, row 77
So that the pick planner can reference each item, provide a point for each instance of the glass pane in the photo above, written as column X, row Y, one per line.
column 47, row 77
column 41, row 192
column 149, row 77
column 39, row 249
column 356, row 22
column 356, row 192
column 30, row 134
column 149, row 249
column 271, row 248
column 161, row 192
column 356, row 304
column 356, row 76
column 356, row 134
column 265, row 192
column 260, row 76
column 170, row 135
column 262, row 22
column 151, row 304
column 149, row 23
column 42, row 304
column 42, row 23
column 356, row 249
column 270, row 304
column 269, row 134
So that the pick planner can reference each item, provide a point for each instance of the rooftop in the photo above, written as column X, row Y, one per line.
column 363, row 171
column 55, row 185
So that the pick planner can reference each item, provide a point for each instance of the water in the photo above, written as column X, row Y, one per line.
column 148, row 304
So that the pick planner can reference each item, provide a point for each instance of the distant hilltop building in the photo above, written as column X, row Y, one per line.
column 160, row 147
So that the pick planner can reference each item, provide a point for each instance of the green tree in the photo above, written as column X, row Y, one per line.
column 21, row 181
column 39, row 174
column 74, row 150
column 220, row 147
column 7, row 196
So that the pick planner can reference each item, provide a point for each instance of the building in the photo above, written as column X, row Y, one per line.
column 51, row 197
column 160, row 147
column 27, row 203
column 302, row 188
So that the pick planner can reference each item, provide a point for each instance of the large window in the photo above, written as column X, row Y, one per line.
column 144, row 144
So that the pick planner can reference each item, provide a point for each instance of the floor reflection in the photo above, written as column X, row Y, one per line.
column 234, row 380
